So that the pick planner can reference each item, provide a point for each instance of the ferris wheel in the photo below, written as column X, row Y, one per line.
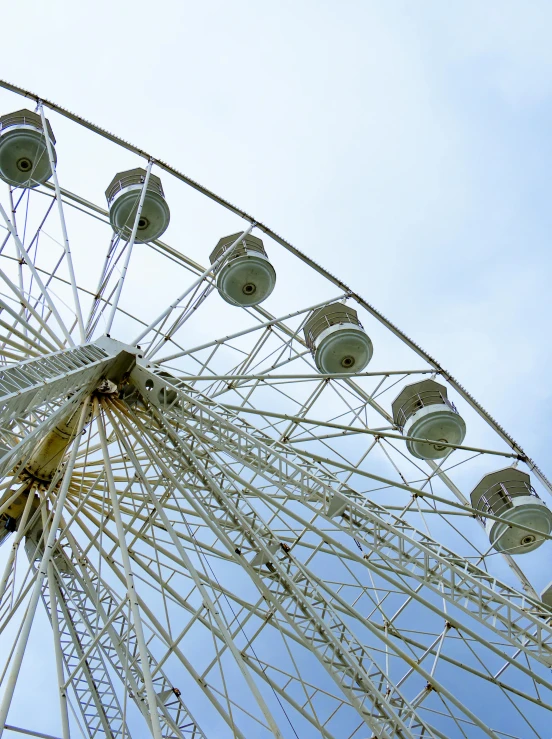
column 236, row 500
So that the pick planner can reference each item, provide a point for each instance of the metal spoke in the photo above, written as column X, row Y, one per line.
column 129, row 248
column 67, row 248
column 45, row 293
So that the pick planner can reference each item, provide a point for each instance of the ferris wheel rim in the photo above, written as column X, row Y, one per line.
column 287, row 245
column 303, row 257
column 298, row 253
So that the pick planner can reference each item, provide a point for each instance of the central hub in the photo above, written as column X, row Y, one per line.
column 51, row 449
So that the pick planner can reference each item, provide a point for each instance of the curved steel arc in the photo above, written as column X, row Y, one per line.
column 308, row 260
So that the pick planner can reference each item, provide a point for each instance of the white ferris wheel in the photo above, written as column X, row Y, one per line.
column 236, row 501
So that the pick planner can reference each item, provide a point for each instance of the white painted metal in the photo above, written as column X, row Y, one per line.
column 21, row 524
column 24, row 145
column 437, row 422
column 52, row 161
column 235, row 531
column 246, row 276
column 285, row 244
column 133, row 600
column 15, row 458
column 546, row 595
column 506, row 536
column 342, row 348
column 423, row 411
column 509, row 495
column 345, row 652
column 59, row 653
column 28, row 261
column 84, row 662
column 129, row 247
column 337, row 340
column 27, row 385
column 20, row 319
column 192, row 287
column 41, row 575
column 123, row 196
column 269, row 555
column 318, row 491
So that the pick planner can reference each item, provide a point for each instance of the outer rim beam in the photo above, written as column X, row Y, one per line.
column 287, row 245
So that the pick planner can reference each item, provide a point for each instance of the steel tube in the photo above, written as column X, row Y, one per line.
column 59, row 654
column 264, row 324
column 130, row 247
column 200, row 586
column 23, row 254
column 66, row 246
column 131, row 590
column 192, row 287
column 370, row 432
column 41, row 575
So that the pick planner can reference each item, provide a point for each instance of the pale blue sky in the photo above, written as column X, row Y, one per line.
column 403, row 145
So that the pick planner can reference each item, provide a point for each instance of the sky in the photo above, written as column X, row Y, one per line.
column 402, row 145
column 408, row 139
